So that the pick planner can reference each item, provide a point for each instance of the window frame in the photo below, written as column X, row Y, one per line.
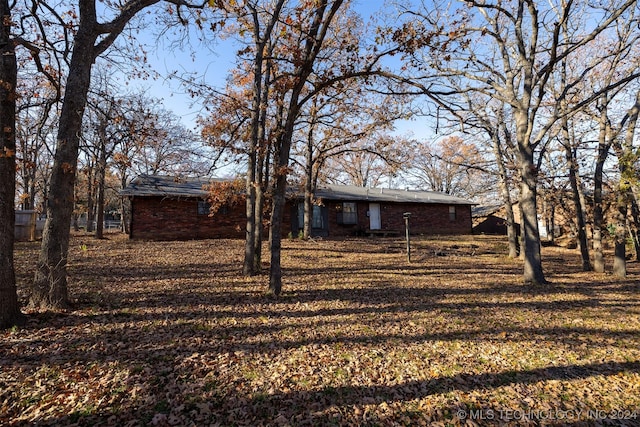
column 317, row 217
column 203, row 208
column 453, row 214
column 348, row 214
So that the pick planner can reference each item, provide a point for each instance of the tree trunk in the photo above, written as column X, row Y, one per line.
column 263, row 179
column 100, row 207
column 581, row 225
column 91, row 209
column 635, row 226
column 313, row 43
column 252, row 228
column 620, row 251
column 552, row 223
column 512, row 230
column 275, row 269
column 10, row 314
column 627, row 158
column 125, row 206
column 49, row 288
column 263, row 169
column 308, row 194
column 598, row 214
column 308, row 176
column 76, row 225
column 250, row 237
column 521, row 239
column 283, row 151
column 101, row 175
column 533, row 273
column 503, row 181
column 125, row 215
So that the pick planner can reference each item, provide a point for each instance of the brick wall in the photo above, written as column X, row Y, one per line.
column 157, row 218
column 425, row 219
column 432, row 219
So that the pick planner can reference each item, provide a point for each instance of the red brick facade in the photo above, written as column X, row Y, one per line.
column 425, row 219
column 161, row 218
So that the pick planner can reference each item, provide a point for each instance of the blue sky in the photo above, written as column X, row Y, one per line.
column 213, row 64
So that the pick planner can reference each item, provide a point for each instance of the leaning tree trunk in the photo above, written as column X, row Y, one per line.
column 49, row 289
column 627, row 158
column 9, row 308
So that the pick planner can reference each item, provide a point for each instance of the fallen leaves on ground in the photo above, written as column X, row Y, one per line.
column 170, row 334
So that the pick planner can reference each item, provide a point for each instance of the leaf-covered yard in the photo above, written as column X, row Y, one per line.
column 170, row 333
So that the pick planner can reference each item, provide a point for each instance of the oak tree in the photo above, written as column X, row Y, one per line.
column 91, row 38
column 509, row 52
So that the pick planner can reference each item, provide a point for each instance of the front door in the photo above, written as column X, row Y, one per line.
column 374, row 216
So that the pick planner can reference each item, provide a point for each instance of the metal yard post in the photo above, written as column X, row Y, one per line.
column 406, row 216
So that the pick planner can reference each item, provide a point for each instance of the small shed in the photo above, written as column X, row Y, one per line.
column 489, row 219
column 28, row 227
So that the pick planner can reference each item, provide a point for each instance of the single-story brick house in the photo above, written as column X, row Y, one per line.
column 168, row 208
column 343, row 210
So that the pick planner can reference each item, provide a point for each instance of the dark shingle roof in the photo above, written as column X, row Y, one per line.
column 485, row 210
column 167, row 186
column 350, row 192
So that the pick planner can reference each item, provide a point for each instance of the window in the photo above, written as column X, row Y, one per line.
column 300, row 215
column 316, row 216
column 452, row 213
column 203, row 207
column 316, row 221
column 349, row 214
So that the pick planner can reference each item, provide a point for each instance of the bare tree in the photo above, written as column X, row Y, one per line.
column 91, row 39
column 627, row 155
column 453, row 166
column 344, row 121
column 510, row 52
column 307, row 45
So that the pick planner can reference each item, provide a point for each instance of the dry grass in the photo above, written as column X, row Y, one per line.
column 170, row 334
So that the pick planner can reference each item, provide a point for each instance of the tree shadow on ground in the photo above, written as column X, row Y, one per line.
column 169, row 333
column 322, row 407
